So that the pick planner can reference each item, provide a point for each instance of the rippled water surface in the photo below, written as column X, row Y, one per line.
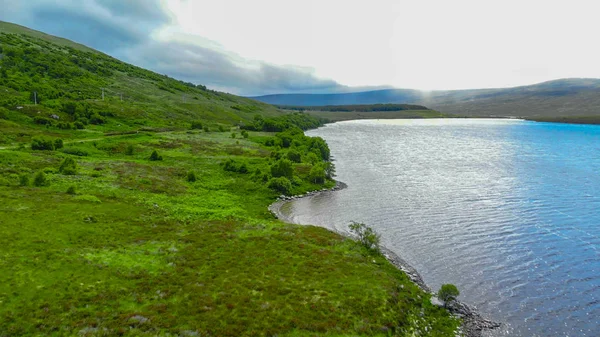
column 507, row 210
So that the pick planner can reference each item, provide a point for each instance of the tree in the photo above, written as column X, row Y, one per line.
column 68, row 166
column 155, row 156
column 282, row 168
column 280, row 184
column 40, row 179
column 448, row 293
column 367, row 236
column 317, row 174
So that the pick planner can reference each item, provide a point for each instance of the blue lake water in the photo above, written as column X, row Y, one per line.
column 505, row 209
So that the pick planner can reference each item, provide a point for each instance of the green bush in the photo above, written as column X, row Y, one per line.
column 317, row 174
column 233, row 135
column 155, row 156
column 244, row 133
column 96, row 119
column 42, row 120
column 366, row 235
column 280, row 184
column 233, row 166
column 75, row 151
column 221, row 129
column 58, row 144
column 206, row 129
column 64, row 126
column 448, row 293
column 191, row 176
column 282, row 168
column 196, row 125
column 42, row 143
column 24, row 180
column 71, row 190
column 129, row 150
column 79, row 125
column 68, row 166
column 294, row 156
column 40, row 179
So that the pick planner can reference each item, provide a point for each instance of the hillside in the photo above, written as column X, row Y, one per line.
column 566, row 97
column 148, row 215
column 68, row 81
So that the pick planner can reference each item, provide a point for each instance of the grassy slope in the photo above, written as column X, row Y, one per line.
column 139, row 250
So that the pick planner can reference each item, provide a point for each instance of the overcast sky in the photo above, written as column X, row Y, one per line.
column 281, row 46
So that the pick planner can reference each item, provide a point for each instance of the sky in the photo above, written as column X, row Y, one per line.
column 318, row 46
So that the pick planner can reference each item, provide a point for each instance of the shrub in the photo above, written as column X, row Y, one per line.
column 282, row 168
column 79, row 125
column 244, row 133
column 68, row 166
column 191, row 176
column 42, row 143
column 129, row 150
column 233, row 135
column 196, row 125
column 40, row 179
column 294, row 156
column 367, row 236
column 155, row 156
column 221, row 129
column 24, row 180
column 96, row 119
column 280, row 184
column 448, row 292
column 233, row 166
column 58, row 144
column 71, row 190
column 206, row 129
column 64, row 126
column 75, row 151
column 317, row 174
column 42, row 120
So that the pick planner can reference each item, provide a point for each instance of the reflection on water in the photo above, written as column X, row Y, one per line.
column 504, row 209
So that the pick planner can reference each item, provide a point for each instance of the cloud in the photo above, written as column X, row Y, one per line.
column 125, row 29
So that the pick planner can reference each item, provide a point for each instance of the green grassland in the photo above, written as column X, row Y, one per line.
column 148, row 216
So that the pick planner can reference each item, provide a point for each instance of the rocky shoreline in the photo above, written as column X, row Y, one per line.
column 473, row 324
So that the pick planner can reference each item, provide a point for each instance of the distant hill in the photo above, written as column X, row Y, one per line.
column 565, row 97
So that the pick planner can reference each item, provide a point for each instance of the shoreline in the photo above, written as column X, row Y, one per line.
column 473, row 324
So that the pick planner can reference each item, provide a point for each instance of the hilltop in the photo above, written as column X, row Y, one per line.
column 146, row 213
column 565, row 97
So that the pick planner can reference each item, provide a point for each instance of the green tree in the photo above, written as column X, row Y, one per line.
column 155, row 156
column 448, row 293
column 40, row 179
column 282, row 168
column 68, row 166
column 317, row 174
column 294, row 156
column 366, row 235
column 280, row 184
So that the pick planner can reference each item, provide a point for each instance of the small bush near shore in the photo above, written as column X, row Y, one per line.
column 448, row 292
column 367, row 236
column 280, row 184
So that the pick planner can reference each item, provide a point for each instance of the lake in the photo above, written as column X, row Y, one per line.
column 507, row 210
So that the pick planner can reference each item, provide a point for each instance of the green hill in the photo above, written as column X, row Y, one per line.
column 148, row 215
column 69, row 79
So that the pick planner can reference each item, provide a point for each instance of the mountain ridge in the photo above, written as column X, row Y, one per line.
column 562, row 97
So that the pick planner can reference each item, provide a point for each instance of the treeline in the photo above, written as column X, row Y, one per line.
column 356, row 108
column 281, row 123
column 297, row 163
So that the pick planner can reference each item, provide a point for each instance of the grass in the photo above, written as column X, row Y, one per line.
column 141, row 251
column 128, row 246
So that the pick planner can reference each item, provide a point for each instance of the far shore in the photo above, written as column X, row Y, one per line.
column 473, row 324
